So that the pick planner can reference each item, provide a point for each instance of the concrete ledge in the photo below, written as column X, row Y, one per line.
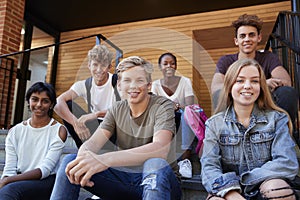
column 3, row 131
column 193, row 183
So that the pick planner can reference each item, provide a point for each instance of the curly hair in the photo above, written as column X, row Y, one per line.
column 101, row 54
column 248, row 20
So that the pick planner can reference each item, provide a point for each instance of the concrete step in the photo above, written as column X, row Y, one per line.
column 2, row 156
column 3, row 133
column 192, row 189
column 2, row 151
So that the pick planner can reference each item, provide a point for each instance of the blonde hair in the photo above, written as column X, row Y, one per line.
column 264, row 100
column 101, row 54
column 134, row 61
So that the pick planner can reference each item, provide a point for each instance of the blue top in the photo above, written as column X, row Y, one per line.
column 235, row 157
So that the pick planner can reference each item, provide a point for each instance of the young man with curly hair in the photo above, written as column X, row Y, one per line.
column 247, row 37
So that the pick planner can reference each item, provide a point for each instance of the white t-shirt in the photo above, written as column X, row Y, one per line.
column 183, row 90
column 102, row 97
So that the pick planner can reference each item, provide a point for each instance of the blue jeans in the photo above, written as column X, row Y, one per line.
column 188, row 135
column 28, row 190
column 157, row 181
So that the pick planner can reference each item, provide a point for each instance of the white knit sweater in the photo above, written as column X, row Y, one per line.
column 29, row 148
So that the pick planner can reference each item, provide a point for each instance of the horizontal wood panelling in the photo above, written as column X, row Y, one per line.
column 150, row 38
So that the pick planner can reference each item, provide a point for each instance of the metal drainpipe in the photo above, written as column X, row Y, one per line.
column 296, row 5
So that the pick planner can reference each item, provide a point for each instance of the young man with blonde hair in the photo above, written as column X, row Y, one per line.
column 143, row 166
column 98, row 92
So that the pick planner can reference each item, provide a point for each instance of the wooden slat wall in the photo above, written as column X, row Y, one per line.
column 150, row 38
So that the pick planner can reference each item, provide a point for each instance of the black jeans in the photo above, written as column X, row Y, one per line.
column 287, row 98
column 28, row 189
column 91, row 125
column 294, row 185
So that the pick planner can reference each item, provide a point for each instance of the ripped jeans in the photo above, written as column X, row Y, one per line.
column 157, row 182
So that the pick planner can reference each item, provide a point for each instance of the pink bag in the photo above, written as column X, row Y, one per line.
column 195, row 117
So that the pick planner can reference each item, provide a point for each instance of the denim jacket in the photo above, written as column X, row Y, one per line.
column 235, row 157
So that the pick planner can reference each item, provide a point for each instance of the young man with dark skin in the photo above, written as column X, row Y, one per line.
column 247, row 37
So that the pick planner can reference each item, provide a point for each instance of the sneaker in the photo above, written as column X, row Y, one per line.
column 185, row 168
column 93, row 197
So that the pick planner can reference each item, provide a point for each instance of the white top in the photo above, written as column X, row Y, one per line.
column 183, row 90
column 102, row 97
column 29, row 148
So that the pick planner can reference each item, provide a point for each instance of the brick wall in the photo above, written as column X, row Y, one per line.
column 11, row 21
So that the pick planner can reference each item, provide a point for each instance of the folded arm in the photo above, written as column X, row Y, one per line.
column 280, row 77
column 64, row 112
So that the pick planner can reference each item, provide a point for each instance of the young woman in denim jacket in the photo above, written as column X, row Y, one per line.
column 248, row 151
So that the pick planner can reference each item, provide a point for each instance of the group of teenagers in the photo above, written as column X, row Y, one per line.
column 249, row 151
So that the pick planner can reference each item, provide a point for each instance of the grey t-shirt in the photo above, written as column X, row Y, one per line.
column 134, row 132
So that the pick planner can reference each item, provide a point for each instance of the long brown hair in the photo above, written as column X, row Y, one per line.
column 264, row 100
